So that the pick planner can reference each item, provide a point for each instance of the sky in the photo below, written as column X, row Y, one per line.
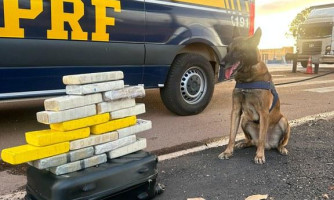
column 274, row 17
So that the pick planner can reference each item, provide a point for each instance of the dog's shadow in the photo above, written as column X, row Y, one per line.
column 246, row 156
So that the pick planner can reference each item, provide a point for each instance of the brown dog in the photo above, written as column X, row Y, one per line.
column 254, row 100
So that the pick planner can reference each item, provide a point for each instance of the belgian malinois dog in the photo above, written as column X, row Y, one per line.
column 255, row 100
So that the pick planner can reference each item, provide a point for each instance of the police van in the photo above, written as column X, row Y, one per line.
column 177, row 45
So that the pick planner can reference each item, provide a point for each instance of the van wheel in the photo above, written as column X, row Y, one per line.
column 189, row 86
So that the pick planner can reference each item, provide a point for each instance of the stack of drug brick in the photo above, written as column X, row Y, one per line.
column 96, row 120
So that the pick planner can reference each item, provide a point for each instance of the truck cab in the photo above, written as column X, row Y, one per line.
column 316, row 36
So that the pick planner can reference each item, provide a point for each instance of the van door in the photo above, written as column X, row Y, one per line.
column 63, row 37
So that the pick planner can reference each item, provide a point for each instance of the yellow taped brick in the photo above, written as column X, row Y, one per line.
column 26, row 153
column 81, row 123
column 113, row 125
column 48, row 137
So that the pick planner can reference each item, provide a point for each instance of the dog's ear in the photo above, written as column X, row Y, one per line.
column 236, row 32
column 255, row 39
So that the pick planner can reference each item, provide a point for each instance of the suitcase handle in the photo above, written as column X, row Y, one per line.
column 143, row 170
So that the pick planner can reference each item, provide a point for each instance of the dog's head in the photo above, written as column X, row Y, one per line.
column 241, row 53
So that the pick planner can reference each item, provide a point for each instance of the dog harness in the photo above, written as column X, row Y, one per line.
column 264, row 85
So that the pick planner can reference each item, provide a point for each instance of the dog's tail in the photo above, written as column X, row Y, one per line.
column 286, row 132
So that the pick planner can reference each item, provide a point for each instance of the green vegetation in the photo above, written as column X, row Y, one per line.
column 299, row 19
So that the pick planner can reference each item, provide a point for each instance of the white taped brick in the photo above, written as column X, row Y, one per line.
column 51, row 117
column 138, row 145
column 141, row 125
column 63, row 158
column 49, row 162
column 135, row 110
column 94, row 88
column 110, row 106
column 78, row 165
column 80, row 154
column 127, row 92
column 92, row 77
column 93, row 140
column 71, row 101
column 95, row 160
column 66, row 168
column 102, row 148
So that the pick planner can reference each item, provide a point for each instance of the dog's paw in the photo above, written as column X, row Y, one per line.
column 225, row 155
column 259, row 159
column 283, row 151
column 242, row 145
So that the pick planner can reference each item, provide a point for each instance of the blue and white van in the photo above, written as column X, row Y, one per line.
column 177, row 45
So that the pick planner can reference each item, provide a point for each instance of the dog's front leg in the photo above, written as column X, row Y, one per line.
column 264, row 123
column 235, row 121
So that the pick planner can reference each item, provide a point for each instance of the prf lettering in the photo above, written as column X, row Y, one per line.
column 13, row 14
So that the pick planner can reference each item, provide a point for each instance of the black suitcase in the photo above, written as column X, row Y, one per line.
column 129, row 177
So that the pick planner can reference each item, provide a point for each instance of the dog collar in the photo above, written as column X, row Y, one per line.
column 264, row 85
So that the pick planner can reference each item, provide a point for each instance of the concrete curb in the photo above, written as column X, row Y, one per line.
column 16, row 196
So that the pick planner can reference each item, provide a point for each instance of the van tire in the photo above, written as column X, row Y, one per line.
column 189, row 86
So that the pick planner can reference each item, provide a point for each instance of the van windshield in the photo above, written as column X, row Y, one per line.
column 315, row 30
column 323, row 12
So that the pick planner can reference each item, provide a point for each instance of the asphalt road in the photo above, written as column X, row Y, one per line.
column 306, row 173
column 170, row 132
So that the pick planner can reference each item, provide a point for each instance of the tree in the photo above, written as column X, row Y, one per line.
column 300, row 18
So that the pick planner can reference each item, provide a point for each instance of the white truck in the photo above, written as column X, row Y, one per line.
column 316, row 37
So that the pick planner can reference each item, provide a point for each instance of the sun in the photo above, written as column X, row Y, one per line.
column 274, row 28
column 274, row 17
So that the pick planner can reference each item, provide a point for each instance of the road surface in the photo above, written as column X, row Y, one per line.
column 306, row 173
column 171, row 132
